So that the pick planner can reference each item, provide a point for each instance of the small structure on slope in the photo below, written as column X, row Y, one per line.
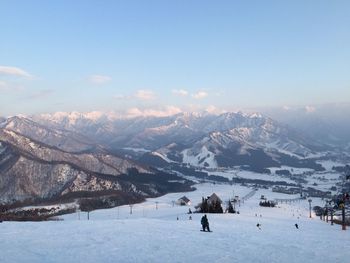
column 183, row 201
column 213, row 199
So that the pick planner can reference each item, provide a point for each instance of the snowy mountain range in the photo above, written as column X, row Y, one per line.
column 38, row 163
column 49, row 155
column 201, row 139
column 155, row 132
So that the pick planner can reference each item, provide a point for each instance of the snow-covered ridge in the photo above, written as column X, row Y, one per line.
column 74, row 116
column 237, row 132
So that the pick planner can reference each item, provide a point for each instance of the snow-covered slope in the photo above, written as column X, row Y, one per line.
column 155, row 235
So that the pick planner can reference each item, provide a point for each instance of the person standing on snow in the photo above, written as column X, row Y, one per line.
column 205, row 223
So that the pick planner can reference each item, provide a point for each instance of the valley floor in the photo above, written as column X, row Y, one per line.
column 152, row 233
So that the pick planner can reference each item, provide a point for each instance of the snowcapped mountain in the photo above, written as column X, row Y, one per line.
column 139, row 132
column 200, row 139
column 32, row 170
column 235, row 139
column 59, row 138
column 155, row 132
column 46, row 156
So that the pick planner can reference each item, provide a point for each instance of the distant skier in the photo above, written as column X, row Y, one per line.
column 258, row 226
column 296, row 226
column 205, row 223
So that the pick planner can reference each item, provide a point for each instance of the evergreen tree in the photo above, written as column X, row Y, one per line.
column 204, row 205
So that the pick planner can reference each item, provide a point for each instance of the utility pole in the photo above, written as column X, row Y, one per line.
column 118, row 212
column 309, row 206
column 330, row 202
column 342, row 206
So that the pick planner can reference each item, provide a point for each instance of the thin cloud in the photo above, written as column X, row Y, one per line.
column 200, row 95
column 138, row 95
column 14, row 71
column 212, row 109
column 99, row 79
column 180, row 92
column 310, row 109
column 41, row 94
column 121, row 97
column 9, row 87
column 145, row 95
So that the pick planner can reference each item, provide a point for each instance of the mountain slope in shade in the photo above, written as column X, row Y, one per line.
column 33, row 171
column 59, row 138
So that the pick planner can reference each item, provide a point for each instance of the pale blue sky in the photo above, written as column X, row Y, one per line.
column 117, row 55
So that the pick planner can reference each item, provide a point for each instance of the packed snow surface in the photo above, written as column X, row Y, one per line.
column 152, row 233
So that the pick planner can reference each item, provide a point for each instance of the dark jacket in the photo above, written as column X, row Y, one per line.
column 204, row 220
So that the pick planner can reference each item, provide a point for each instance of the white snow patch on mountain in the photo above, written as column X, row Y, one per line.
column 137, row 150
column 164, row 157
column 204, row 158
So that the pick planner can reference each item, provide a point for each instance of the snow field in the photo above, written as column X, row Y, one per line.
column 155, row 235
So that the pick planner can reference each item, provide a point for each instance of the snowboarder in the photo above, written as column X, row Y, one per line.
column 258, row 226
column 205, row 223
column 296, row 226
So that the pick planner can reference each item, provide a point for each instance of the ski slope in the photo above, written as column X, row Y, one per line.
column 152, row 233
